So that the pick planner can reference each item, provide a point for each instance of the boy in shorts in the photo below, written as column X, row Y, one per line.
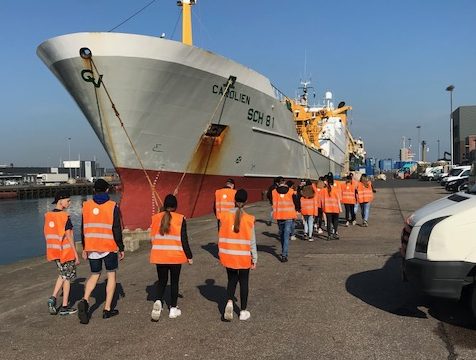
column 61, row 249
column 102, row 245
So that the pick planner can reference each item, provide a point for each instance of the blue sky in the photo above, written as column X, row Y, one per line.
column 391, row 60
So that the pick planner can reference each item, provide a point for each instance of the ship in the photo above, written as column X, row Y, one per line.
column 175, row 118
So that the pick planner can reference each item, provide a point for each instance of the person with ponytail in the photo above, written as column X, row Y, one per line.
column 237, row 252
column 170, row 249
column 331, row 205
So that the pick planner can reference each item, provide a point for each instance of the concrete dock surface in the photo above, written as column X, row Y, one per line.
column 342, row 299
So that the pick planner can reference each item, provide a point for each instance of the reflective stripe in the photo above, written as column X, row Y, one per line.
column 234, row 252
column 52, row 236
column 234, row 241
column 66, row 246
column 53, row 246
column 167, row 237
column 226, row 203
column 282, row 209
column 166, row 247
column 97, row 225
column 99, row 236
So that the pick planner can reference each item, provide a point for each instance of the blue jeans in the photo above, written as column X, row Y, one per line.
column 365, row 211
column 285, row 227
column 308, row 221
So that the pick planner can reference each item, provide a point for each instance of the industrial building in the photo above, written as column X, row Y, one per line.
column 464, row 133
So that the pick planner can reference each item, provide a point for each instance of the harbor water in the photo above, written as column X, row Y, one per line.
column 21, row 226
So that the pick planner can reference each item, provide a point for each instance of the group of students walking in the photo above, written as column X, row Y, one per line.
column 318, row 203
column 102, row 245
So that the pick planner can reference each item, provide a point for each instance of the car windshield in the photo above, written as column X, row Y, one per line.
column 455, row 172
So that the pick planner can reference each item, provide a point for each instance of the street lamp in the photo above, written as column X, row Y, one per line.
column 438, row 141
column 419, row 145
column 69, row 156
column 450, row 88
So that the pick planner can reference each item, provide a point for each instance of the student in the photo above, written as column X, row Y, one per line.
column 102, row 244
column 60, row 248
column 269, row 196
column 237, row 252
column 331, row 206
column 170, row 249
column 308, row 210
column 320, row 220
column 297, row 207
column 348, row 195
column 365, row 196
column 284, row 211
column 224, row 199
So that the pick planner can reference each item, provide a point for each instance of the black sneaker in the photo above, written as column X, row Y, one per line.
column 67, row 310
column 106, row 314
column 284, row 259
column 83, row 308
column 52, row 305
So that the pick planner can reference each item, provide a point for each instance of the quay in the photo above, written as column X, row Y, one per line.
column 23, row 192
column 341, row 299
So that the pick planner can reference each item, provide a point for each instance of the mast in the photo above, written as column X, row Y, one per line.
column 186, row 20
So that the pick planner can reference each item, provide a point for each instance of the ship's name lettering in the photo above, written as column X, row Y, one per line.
column 260, row 117
column 232, row 94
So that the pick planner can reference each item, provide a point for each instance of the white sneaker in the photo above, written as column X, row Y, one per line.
column 174, row 312
column 228, row 315
column 354, row 222
column 315, row 227
column 310, row 239
column 293, row 237
column 156, row 310
column 244, row 315
column 347, row 223
column 319, row 231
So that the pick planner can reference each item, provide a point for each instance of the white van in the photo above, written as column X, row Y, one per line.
column 439, row 246
column 456, row 173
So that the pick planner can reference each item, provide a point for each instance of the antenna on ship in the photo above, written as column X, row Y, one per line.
column 186, row 20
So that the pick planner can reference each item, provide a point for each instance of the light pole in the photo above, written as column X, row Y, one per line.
column 69, row 156
column 438, row 141
column 419, row 145
column 450, row 88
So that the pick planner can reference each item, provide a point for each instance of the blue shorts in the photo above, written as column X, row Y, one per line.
column 111, row 263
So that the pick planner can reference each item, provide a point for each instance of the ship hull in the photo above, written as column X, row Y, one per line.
column 150, row 101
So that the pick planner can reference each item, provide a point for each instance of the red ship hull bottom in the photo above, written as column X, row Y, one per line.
column 195, row 196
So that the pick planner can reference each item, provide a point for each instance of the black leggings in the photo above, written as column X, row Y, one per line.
column 349, row 212
column 332, row 220
column 242, row 276
column 163, row 275
column 319, row 219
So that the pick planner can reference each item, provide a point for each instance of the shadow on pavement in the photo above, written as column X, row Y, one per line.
column 214, row 293
column 99, row 294
column 268, row 249
column 77, row 290
column 384, row 289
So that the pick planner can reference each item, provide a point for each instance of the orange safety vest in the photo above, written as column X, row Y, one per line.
column 234, row 249
column 330, row 203
column 348, row 193
column 365, row 194
column 283, row 206
column 309, row 206
column 58, row 246
column 224, row 200
column 97, row 226
column 318, row 196
column 167, row 248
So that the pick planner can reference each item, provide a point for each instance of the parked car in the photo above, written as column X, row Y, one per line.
column 456, row 173
column 460, row 184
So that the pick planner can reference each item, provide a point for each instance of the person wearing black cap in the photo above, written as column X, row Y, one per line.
column 237, row 252
column 224, row 199
column 102, row 243
column 61, row 249
column 170, row 249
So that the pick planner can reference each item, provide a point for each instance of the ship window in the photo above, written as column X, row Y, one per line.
column 85, row 53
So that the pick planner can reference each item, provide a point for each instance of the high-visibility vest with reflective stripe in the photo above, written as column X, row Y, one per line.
column 167, row 248
column 365, row 194
column 318, row 196
column 283, row 205
column 309, row 206
column 97, row 226
column 58, row 246
column 234, row 249
column 330, row 202
column 224, row 200
column 348, row 193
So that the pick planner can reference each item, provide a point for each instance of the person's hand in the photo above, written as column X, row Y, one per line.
column 253, row 266
column 190, row 261
column 84, row 255
column 76, row 259
column 121, row 255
